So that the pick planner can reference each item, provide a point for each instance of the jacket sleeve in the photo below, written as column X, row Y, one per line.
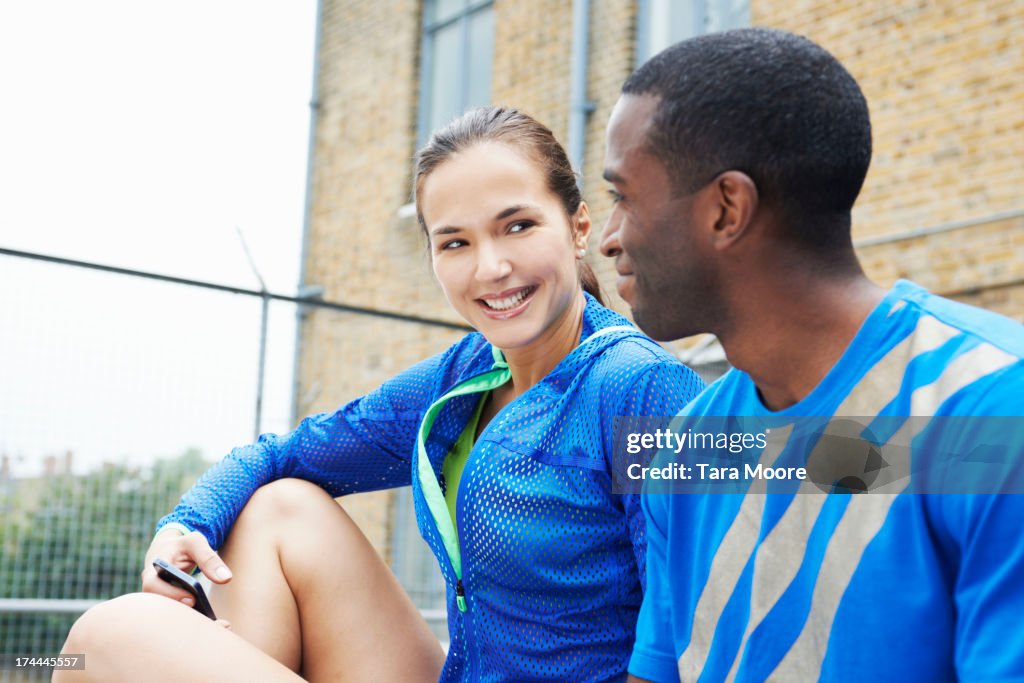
column 365, row 445
column 662, row 390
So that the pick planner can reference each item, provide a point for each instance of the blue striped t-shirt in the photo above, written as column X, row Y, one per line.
column 920, row 579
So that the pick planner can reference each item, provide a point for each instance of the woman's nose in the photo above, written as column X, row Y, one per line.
column 492, row 264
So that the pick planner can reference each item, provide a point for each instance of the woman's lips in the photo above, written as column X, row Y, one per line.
column 510, row 303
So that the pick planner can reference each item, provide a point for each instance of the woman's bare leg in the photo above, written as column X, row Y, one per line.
column 308, row 589
column 311, row 591
column 146, row 637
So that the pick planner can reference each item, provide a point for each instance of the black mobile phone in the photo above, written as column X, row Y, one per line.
column 176, row 577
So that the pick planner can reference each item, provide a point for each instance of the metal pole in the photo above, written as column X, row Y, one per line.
column 580, row 107
column 311, row 296
column 262, row 360
column 307, row 212
column 262, row 364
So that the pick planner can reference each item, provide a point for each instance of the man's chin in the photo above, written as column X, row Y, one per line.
column 654, row 326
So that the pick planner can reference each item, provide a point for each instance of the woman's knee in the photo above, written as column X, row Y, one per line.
column 115, row 624
column 286, row 499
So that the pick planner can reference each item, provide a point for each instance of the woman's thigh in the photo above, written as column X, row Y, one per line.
column 146, row 637
column 309, row 589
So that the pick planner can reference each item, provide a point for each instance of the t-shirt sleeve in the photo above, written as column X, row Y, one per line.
column 989, row 584
column 653, row 656
column 365, row 445
column 989, row 590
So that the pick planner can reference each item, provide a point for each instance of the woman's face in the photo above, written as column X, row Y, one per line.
column 501, row 243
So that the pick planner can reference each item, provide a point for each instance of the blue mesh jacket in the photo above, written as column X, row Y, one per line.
column 545, row 575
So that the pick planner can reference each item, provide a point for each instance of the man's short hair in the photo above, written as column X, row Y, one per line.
column 768, row 103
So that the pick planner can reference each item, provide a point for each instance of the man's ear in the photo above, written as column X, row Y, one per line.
column 733, row 199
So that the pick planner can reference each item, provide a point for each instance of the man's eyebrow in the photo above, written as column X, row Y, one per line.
column 613, row 177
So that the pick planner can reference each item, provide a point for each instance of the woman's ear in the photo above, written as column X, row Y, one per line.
column 581, row 225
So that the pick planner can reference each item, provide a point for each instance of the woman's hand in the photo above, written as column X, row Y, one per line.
column 184, row 552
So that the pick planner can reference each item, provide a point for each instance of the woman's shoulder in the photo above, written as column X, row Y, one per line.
column 469, row 356
column 632, row 349
column 627, row 359
column 628, row 362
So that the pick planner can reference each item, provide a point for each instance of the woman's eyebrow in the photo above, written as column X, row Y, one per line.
column 445, row 230
column 512, row 210
column 503, row 214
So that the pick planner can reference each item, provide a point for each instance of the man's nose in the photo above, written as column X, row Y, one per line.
column 610, row 246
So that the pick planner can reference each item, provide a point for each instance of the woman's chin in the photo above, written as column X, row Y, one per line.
column 506, row 334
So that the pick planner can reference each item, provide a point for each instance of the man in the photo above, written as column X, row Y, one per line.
column 735, row 159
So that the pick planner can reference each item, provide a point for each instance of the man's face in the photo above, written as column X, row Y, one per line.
column 663, row 267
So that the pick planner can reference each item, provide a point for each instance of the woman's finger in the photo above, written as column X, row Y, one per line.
column 206, row 558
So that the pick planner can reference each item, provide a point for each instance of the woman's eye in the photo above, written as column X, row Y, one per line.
column 452, row 244
column 520, row 226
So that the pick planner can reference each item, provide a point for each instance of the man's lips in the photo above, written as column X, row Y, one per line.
column 624, row 285
column 624, row 274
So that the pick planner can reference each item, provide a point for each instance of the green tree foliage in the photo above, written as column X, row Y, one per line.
column 80, row 537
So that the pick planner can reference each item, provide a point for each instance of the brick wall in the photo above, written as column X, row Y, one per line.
column 531, row 60
column 612, row 59
column 943, row 80
column 359, row 249
column 945, row 84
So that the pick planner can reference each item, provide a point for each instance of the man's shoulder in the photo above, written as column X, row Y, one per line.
column 986, row 326
column 730, row 394
column 966, row 360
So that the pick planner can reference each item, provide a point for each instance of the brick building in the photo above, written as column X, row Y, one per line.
column 943, row 203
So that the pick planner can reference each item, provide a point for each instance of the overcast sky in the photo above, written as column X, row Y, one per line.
column 142, row 134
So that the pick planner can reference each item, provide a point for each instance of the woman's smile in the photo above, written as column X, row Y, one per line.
column 507, row 304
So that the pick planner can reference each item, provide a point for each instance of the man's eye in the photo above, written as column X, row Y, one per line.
column 616, row 197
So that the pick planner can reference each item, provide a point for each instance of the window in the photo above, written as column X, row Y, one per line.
column 661, row 23
column 458, row 51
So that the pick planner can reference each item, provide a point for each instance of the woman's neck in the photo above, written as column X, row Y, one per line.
column 531, row 363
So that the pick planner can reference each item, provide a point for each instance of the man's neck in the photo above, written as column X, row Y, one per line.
column 789, row 337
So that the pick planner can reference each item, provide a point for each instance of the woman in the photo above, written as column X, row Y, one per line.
column 506, row 439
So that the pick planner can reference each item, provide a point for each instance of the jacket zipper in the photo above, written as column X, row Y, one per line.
column 454, row 554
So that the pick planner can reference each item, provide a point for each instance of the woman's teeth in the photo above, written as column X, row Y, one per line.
column 509, row 301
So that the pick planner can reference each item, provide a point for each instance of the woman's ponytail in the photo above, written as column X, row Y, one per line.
column 590, row 283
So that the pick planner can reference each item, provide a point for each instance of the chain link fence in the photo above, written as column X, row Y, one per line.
column 117, row 389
